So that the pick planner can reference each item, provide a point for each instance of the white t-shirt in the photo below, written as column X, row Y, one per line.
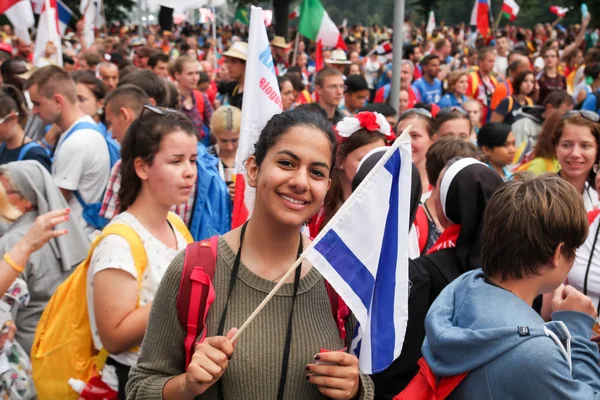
column 82, row 163
column 114, row 252
column 590, row 197
column 501, row 66
column 577, row 275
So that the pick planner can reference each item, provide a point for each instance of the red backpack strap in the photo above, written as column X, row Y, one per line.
column 422, row 228
column 196, row 292
column 339, row 309
column 425, row 385
column 199, row 97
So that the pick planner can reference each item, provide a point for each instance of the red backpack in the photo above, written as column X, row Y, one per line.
column 426, row 386
column 196, row 294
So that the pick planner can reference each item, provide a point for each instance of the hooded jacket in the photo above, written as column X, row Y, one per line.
column 508, row 350
column 528, row 123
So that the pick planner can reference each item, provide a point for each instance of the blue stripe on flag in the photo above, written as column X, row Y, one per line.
column 345, row 263
column 63, row 14
column 382, row 317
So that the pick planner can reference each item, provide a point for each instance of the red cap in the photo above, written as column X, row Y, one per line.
column 6, row 47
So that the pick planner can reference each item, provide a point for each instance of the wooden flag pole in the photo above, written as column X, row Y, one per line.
column 497, row 23
column 267, row 299
column 296, row 42
column 557, row 21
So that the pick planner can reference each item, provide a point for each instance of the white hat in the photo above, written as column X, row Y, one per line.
column 238, row 50
column 338, row 57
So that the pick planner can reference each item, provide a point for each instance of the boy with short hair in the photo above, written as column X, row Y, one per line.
column 483, row 322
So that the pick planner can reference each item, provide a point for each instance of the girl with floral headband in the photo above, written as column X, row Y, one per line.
column 356, row 137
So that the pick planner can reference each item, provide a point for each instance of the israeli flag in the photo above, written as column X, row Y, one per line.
column 363, row 254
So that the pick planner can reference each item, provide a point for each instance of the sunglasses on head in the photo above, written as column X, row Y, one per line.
column 3, row 120
column 444, row 112
column 589, row 115
column 419, row 111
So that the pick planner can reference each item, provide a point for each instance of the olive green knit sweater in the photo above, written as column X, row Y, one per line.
column 255, row 367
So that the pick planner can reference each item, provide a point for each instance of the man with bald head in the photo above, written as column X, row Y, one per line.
column 109, row 74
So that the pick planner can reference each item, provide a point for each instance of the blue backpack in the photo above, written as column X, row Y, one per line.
column 24, row 150
column 91, row 211
column 212, row 206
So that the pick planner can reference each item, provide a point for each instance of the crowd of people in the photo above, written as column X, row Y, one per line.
column 113, row 164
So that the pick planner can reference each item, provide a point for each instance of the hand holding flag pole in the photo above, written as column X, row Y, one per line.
column 342, row 213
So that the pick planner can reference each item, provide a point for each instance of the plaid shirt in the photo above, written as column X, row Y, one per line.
column 110, row 203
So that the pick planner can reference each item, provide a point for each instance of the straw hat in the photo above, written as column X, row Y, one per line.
column 279, row 41
column 238, row 50
column 338, row 57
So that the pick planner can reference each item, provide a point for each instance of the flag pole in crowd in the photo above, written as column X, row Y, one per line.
column 261, row 101
column 368, row 268
column 296, row 43
column 397, row 53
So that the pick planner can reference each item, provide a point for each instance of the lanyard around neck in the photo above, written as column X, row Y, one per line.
column 288, row 335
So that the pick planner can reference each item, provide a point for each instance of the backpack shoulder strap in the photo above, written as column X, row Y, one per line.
column 196, row 292
column 178, row 224
column 135, row 243
column 511, row 104
column 474, row 83
column 199, row 97
column 25, row 149
column 83, row 125
column 423, row 227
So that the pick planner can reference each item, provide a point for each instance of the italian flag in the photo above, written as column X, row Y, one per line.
column 510, row 9
column 316, row 25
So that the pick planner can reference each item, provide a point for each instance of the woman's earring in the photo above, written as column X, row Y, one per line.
column 100, row 111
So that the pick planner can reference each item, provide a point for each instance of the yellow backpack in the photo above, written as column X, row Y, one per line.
column 63, row 346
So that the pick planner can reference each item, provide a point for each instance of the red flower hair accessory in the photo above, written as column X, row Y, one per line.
column 371, row 121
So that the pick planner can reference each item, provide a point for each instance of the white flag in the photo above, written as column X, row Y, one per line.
column 48, row 32
column 261, row 101
column 206, row 15
column 91, row 10
column 430, row 23
column 474, row 14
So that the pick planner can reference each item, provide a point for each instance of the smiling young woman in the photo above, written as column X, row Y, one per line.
column 275, row 357
column 576, row 140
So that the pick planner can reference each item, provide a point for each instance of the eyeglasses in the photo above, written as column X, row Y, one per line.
column 444, row 112
column 419, row 111
column 3, row 120
column 589, row 115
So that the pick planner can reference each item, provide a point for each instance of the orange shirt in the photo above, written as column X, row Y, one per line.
column 503, row 90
